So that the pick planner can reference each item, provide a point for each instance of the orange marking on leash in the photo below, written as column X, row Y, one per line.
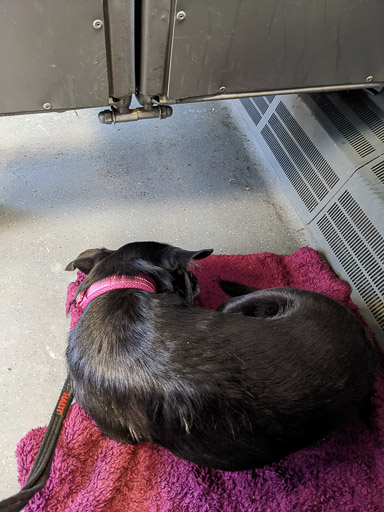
column 63, row 402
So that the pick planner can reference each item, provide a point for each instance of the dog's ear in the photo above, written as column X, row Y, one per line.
column 88, row 259
column 184, row 258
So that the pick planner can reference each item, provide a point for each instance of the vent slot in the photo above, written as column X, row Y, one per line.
column 368, row 116
column 378, row 170
column 355, row 242
column 261, row 104
column 370, row 234
column 289, row 169
column 358, row 246
column 310, row 150
column 359, row 143
column 307, row 171
column 253, row 113
column 270, row 98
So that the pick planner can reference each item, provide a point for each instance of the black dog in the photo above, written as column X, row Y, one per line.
column 268, row 373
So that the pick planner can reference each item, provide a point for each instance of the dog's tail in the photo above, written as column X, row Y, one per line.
column 234, row 289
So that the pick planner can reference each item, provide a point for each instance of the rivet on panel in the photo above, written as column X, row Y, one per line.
column 98, row 24
column 181, row 15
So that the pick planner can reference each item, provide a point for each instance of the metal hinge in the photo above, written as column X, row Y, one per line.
column 121, row 113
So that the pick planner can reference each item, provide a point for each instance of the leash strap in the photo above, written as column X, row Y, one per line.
column 41, row 468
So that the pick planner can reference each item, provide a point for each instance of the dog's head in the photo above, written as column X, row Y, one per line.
column 165, row 264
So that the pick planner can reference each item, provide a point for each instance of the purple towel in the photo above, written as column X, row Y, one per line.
column 93, row 473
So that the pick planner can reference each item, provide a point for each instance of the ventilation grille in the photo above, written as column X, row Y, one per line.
column 310, row 150
column 257, row 107
column 253, row 113
column 289, row 169
column 378, row 170
column 261, row 103
column 317, row 186
column 270, row 98
column 306, row 168
column 359, row 247
column 361, row 109
column 359, row 143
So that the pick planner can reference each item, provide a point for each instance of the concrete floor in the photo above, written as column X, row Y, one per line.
column 68, row 183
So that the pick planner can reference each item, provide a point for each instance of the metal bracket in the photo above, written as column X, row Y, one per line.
column 135, row 114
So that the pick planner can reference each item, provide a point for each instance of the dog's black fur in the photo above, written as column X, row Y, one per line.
column 266, row 374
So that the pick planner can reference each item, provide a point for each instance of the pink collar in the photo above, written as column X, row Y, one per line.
column 115, row 282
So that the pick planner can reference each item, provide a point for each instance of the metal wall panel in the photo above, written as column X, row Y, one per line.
column 328, row 152
column 351, row 233
column 223, row 46
column 51, row 54
column 120, row 32
column 313, row 166
column 357, row 139
column 155, row 26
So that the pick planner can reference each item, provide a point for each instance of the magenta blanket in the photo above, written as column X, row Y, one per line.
column 93, row 473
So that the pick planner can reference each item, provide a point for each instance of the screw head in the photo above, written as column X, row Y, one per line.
column 222, row 89
column 47, row 106
column 98, row 24
column 181, row 15
column 369, row 78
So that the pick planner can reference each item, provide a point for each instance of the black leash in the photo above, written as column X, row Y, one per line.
column 40, row 471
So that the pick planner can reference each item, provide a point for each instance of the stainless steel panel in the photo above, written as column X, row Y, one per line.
column 51, row 54
column 328, row 152
column 155, row 27
column 120, row 28
column 344, row 116
column 312, row 166
column 225, row 46
column 351, row 232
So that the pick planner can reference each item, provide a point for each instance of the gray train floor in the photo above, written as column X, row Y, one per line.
column 68, row 183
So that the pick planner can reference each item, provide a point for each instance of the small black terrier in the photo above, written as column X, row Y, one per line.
column 268, row 373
